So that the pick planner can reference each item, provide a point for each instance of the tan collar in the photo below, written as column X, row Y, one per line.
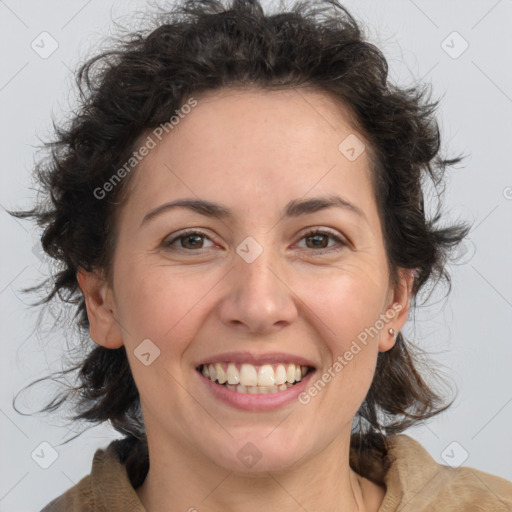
column 414, row 482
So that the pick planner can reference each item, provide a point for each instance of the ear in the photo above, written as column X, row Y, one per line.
column 99, row 301
column 397, row 310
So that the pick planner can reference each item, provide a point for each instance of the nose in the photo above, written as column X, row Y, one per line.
column 258, row 300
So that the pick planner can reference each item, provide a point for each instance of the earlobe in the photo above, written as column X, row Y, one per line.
column 398, row 311
column 103, row 325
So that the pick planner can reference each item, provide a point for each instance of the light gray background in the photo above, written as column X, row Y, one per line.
column 470, row 332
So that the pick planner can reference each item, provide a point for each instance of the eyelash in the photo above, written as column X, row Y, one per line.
column 310, row 233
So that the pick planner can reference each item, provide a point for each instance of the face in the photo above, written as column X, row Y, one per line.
column 259, row 279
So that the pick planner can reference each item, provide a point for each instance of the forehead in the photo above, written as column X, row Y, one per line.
column 258, row 146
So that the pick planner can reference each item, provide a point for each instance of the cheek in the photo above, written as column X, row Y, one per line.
column 157, row 304
column 347, row 300
column 347, row 307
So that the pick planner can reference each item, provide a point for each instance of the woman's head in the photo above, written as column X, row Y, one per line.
column 257, row 114
column 251, row 282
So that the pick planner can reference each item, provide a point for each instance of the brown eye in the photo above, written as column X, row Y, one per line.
column 191, row 241
column 187, row 241
column 318, row 241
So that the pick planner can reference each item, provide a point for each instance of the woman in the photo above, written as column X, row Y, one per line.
column 238, row 213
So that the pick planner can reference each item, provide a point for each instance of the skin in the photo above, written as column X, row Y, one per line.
column 205, row 299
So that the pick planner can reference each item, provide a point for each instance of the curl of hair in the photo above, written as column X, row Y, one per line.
column 201, row 46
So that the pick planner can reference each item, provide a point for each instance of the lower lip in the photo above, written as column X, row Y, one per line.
column 257, row 402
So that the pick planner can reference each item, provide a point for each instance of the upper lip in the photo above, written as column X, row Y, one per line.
column 256, row 359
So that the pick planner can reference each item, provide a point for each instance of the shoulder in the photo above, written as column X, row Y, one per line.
column 415, row 481
column 107, row 487
column 77, row 498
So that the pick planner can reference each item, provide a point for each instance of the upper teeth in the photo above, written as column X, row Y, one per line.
column 250, row 375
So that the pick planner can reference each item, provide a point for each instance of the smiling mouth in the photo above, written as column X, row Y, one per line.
column 253, row 379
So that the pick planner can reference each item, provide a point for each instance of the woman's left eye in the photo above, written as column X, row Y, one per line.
column 319, row 238
column 316, row 238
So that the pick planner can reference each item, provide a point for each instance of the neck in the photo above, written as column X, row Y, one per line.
column 181, row 479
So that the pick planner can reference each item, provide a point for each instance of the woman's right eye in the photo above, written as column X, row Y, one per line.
column 189, row 241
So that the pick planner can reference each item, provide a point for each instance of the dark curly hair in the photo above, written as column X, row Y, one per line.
column 205, row 45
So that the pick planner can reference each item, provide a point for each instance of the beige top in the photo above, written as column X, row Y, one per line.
column 415, row 482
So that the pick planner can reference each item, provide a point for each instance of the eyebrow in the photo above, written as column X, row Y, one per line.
column 294, row 208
